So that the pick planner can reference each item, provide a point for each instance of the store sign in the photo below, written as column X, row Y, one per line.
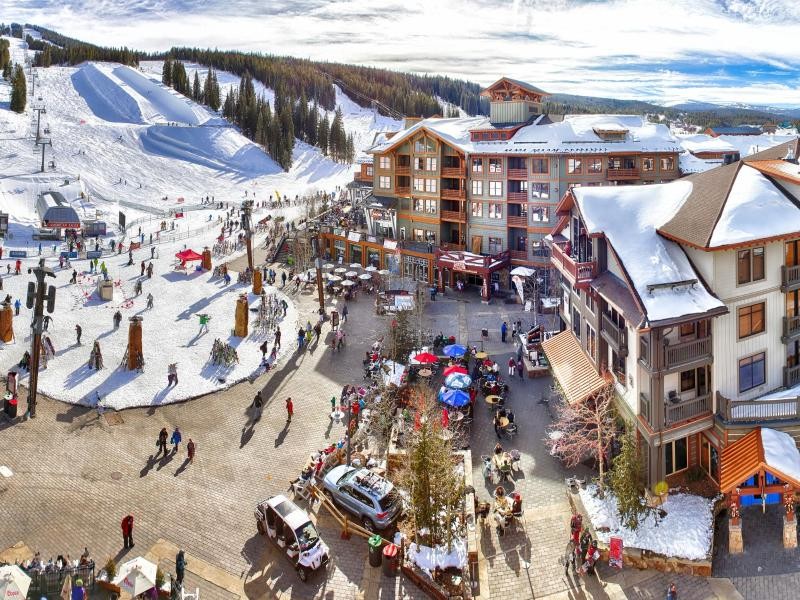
column 18, row 254
column 372, row 239
column 390, row 244
column 354, row 236
column 460, row 266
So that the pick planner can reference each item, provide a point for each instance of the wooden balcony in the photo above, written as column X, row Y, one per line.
column 402, row 170
column 580, row 273
column 683, row 354
column 644, row 407
column 453, row 215
column 517, row 221
column 791, row 329
column 791, row 376
column 518, row 254
column 457, row 172
column 790, row 278
column 613, row 334
column 615, row 174
column 683, row 410
column 758, row 411
column 359, row 176
column 518, row 173
column 453, row 194
column 402, row 190
column 517, row 196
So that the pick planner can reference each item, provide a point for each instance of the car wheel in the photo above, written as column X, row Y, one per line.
column 302, row 573
column 368, row 524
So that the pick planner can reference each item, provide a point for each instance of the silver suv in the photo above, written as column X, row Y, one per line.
column 370, row 497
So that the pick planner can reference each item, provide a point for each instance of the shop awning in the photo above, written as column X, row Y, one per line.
column 760, row 450
column 572, row 369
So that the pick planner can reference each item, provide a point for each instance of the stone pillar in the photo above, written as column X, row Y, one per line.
column 6, row 323
column 206, row 262
column 257, row 283
column 789, row 532
column 134, row 343
column 441, row 280
column 735, row 541
column 242, row 316
column 485, row 289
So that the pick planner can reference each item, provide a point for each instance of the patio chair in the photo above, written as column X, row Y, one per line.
column 302, row 489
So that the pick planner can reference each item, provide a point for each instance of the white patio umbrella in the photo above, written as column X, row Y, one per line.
column 365, row 276
column 136, row 576
column 355, row 266
column 350, row 274
column 348, row 283
column 334, row 278
column 340, row 270
column 371, row 269
column 328, row 266
column 384, row 272
column 14, row 583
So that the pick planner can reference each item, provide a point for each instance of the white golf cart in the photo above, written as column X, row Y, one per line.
column 292, row 530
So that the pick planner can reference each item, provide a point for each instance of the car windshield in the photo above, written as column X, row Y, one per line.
column 307, row 536
column 389, row 500
column 346, row 477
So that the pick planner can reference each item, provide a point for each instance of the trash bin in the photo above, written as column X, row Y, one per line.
column 391, row 560
column 374, row 543
column 485, row 333
column 11, row 408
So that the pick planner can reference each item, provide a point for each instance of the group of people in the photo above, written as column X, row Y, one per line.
column 175, row 440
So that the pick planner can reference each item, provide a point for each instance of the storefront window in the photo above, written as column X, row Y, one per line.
column 338, row 247
column 415, row 268
column 356, row 254
column 374, row 257
column 393, row 263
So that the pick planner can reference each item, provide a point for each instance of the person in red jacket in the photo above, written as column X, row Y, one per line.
column 127, row 531
column 289, row 410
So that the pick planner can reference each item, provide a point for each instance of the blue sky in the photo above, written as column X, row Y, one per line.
column 666, row 50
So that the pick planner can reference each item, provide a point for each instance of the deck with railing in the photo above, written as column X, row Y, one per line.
column 754, row 411
column 453, row 172
column 613, row 174
column 517, row 196
column 790, row 278
column 448, row 194
column 518, row 173
column 517, row 221
column 580, row 272
column 685, row 353
column 675, row 412
column 453, row 215
column 518, row 254
column 614, row 334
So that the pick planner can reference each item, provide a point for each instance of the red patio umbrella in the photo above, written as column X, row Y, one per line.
column 426, row 357
column 488, row 362
column 455, row 369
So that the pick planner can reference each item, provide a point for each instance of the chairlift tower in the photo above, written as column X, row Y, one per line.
column 36, row 300
column 43, row 142
column 39, row 111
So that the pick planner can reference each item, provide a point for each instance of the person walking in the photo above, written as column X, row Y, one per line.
column 127, row 531
column 17, row 306
column 344, row 314
column 264, row 347
column 497, row 427
column 277, row 337
column 143, row 269
column 520, row 369
column 74, row 278
column 512, row 365
column 78, row 333
column 504, row 331
column 175, row 439
column 117, row 319
column 301, row 336
column 149, row 300
column 190, row 450
column 162, row 441
column 289, row 410
column 672, row 592
column 172, row 374
column 180, row 567
column 283, row 278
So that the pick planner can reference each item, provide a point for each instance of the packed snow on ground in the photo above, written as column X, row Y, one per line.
column 170, row 329
column 685, row 532
column 428, row 559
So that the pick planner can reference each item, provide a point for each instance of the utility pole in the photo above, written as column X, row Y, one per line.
column 318, row 264
column 39, row 110
column 35, row 300
column 247, row 215
column 349, row 416
column 43, row 142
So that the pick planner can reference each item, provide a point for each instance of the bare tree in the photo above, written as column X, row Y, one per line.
column 584, row 429
column 301, row 251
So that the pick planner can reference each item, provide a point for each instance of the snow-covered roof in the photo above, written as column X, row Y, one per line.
column 453, row 131
column 706, row 143
column 628, row 216
column 780, row 452
column 755, row 209
column 689, row 163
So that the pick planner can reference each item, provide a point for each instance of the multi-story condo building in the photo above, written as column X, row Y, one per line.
column 489, row 185
column 686, row 297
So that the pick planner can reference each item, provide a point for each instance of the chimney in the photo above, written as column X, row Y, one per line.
column 409, row 121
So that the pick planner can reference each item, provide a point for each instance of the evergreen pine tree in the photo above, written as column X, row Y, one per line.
column 323, row 132
column 19, row 90
column 312, row 125
column 301, row 117
column 349, row 149
column 337, row 140
column 626, row 482
column 196, row 91
column 214, row 100
column 287, row 132
column 166, row 72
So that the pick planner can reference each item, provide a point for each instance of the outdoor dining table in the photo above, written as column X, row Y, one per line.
column 446, row 434
column 456, row 415
column 425, row 372
column 493, row 400
column 503, row 422
column 481, row 355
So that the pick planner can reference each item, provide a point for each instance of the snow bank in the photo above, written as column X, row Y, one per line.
column 685, row 532
column 428, row 559
column 221, row 148
column 781, row 452
column 104, row 96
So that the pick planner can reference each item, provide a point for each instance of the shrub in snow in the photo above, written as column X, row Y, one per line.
column 626, row 482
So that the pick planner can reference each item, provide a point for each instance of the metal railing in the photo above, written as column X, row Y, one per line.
column 791, row 376
column 685, row 410
column 790, row 278
column 614, row 334
column 751, row 411
column 580, row 272
column 48, row 585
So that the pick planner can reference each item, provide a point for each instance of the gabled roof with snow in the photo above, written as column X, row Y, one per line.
column 689, row 164
column 628, row 217
column 525, row 86
column 455, row 132
column 741, row 130
column 706, row 143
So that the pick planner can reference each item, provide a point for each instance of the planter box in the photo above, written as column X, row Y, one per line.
column 101, row 583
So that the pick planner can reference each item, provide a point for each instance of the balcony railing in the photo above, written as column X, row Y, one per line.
column 402, row 169
column 687, row 409
column 518, row 254
column 518, row 173
column 790, row 278
column 517, row 196
column 756, row 411
column 517, row 221
column 613, row 334
column 791, row 328
column 685, row 353
column 644, row 407
column 454, row 215
column 453, row 194
column 402, row 189
column 791, row 376
column 622, row 173
column 456, row 172
column 581, row 273
column 359, row 176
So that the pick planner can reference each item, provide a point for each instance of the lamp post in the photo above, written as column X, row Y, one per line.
column 35, row 300
column 247, row 214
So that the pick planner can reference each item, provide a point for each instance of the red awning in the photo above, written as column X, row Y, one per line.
column 188, row 255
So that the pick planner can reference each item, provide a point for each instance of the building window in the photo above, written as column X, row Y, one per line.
column 751, row 320
column 752, row 372
column 431, row 164
column 477, row 165
column 496, row 188
column 369, row 170
column 709, row 458
column 540, row 214
column 477, row 187
column 424, row 145
column 419, row 235
column 384, row 162
column 495, row 245
column 540, row 165
column 595, row 165
column 687, row 330
column 495, row 210
column 676, row 456
column 419, row 184
column 495, row 165
column 648, row 163
column 687, row 380
column 619, row 368
column 540, row 191
column 750, row 265
column 591, row 341
column 424, row 205
column 574, row 166
column 430, row 186
column 588, row 299
column 384, row 182
column 477, row 209
column 667, row 163
column 576, row 323
column 419, row 163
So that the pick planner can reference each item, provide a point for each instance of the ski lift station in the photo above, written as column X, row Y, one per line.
column 55, row 212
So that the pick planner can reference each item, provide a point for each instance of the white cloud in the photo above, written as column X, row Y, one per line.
column 700, row 49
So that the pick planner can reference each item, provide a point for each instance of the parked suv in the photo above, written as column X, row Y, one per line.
column 368, row 496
